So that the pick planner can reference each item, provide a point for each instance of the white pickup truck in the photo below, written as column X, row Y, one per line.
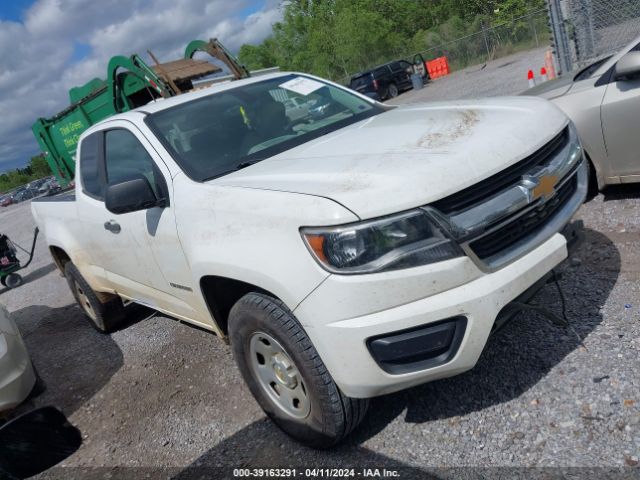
column 354, row 251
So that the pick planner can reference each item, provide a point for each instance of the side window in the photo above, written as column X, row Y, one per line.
column 126, row 159
column 381, row 72
column 90, row 166
column 395, row 67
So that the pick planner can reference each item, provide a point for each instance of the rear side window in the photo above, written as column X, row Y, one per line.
column 381, row 72
column 90, row 166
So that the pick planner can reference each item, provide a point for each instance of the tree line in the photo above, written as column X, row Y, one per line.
column 37, row 168
column 336, row 38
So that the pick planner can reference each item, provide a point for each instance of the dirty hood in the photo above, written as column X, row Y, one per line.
column 409, row 156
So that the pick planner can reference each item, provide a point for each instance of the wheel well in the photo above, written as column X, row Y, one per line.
column 594, row 184
column 222, row 293
column 60, row 257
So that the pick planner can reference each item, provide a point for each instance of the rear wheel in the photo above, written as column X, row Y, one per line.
column 392, row 91
column 287, row 376
column 105, row 314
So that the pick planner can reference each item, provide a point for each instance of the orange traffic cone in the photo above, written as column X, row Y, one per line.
column 543, row 74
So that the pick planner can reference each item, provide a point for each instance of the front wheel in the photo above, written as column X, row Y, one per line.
column 287, row 376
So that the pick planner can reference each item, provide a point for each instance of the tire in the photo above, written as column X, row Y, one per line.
column 104, row 316
column 323, row 415
column 3, row 280
column 392, row 90
column 13, row 280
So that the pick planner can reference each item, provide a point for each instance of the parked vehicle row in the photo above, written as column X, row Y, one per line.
column 342, row 256
column 45, row 186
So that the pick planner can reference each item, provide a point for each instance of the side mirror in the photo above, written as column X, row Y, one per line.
column 628, row 66
column 131, row 196
column 35, row 442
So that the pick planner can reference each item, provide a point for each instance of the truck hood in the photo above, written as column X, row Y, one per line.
column 409, row 156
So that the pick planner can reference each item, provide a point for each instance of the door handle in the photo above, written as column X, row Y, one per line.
column 112, row 226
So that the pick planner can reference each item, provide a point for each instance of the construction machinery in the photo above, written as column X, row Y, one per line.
column 130, row 83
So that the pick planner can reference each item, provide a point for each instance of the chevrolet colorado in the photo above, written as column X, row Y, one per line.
column 346, row 254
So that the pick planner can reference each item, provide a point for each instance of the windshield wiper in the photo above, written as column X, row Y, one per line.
column 240, row 166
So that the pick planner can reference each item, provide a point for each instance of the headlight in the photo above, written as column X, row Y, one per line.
column 392, row 243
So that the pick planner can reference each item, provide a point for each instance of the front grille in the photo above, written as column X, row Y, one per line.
column 480, row 192
column 525, row 225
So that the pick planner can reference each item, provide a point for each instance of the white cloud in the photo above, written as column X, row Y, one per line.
column 37, row 65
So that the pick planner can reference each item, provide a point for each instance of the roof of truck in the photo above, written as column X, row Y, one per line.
column 165, row 103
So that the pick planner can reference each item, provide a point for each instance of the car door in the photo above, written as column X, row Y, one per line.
column 90, row 208
column 620, row 114
column 142, row 256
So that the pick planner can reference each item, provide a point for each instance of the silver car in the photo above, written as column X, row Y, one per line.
column 603, row 100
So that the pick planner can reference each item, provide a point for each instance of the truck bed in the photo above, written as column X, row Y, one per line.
column 62, row 197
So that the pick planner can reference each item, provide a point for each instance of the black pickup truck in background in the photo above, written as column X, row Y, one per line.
column 384, row 81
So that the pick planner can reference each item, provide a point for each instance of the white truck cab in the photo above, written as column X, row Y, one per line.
column 353, row 251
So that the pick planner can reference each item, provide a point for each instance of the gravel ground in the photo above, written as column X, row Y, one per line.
column 160, row 393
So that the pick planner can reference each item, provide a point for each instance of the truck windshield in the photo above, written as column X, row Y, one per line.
column 226, row 131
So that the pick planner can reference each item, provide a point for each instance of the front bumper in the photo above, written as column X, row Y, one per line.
column 342, row 343
column 345, row 314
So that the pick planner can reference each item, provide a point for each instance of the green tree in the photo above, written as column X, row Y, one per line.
column 39, row 166
column 255, row 57
column 336, row 38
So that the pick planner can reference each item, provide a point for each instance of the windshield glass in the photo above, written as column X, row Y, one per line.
column 229, row 130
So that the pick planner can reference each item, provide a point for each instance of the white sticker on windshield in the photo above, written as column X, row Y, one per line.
column 302, row 85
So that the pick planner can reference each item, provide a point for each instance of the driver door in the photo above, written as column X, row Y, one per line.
column 620, row 114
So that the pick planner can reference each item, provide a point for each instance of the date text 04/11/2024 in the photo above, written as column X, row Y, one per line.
column 316, row 473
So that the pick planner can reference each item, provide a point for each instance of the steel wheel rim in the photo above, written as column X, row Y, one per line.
column 83, row 300
column 278, row 375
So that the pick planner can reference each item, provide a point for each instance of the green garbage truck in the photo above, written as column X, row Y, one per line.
column 130, row 83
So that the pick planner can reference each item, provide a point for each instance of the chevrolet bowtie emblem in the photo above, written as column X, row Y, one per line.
column 540, row 187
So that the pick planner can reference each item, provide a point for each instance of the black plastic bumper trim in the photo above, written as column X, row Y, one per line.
column 418, row 348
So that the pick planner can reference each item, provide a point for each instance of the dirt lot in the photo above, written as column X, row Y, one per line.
column 160, row 393
column 504, row 76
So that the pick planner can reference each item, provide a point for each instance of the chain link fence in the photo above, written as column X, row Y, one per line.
column 492, row 41
column 579, row 31
column 586, row 30
column 486, row 41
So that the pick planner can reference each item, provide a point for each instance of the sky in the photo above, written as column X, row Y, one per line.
column 49, row 46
